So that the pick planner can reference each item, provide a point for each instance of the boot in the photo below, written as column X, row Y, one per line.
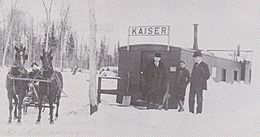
column 181, row 103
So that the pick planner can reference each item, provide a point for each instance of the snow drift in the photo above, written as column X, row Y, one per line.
column 228, row 110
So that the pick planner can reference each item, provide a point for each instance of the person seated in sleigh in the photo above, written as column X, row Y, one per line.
column 34, row 74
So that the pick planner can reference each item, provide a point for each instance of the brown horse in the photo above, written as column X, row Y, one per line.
column 16, row 88
column 52, row 90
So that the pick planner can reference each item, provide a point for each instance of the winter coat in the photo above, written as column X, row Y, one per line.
column 33, row 73
column 199, row 76
column 183, row 78
column 155, row 79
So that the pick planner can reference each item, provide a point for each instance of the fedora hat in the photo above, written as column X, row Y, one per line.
column 159, row 55
column 197, row 54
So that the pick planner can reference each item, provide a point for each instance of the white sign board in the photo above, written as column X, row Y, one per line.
column 214, row 72
column 172, row 69
column 149, row 30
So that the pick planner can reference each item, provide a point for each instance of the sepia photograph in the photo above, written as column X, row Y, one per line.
column 129, row 68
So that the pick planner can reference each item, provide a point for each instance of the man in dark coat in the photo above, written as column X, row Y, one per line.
column 199, row 76
column 35, row 71
column 155, row 76
column 34, row 74
column 182, row 80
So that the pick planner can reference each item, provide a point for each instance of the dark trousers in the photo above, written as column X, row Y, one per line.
column 145, row 90
column 199, row 94
column 154, row 95
column 180, row 93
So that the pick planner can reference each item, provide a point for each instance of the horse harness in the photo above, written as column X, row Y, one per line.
column 11, row 76
column 37, row 75
column 53, row 77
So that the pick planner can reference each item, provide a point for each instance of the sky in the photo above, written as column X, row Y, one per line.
column 223, row 24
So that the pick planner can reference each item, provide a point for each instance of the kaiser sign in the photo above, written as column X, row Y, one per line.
column 149, row 31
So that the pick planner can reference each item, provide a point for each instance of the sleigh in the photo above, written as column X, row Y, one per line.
column 31, row 98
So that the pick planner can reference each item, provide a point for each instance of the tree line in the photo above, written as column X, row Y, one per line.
column 69, row 50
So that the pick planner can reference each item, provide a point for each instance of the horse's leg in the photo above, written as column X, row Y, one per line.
column 57, row 107
column 10, row 99
column 51, row 100
column 25, row 109
column 20, row 102
column 40, row 110
column 15, row 106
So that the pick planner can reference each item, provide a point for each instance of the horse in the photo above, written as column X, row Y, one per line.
column 52, row 89
column 16, row 89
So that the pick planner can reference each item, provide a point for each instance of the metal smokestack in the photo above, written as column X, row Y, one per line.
column 238, row 50
column 195, row 43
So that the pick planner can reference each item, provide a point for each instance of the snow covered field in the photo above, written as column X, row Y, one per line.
column 229, row 111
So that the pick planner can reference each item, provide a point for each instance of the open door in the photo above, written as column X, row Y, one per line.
column 170, row 60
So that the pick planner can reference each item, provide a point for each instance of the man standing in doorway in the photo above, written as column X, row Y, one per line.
column 155, row 76
column 199, row 76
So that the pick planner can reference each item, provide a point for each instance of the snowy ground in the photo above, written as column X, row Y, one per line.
column 229, row 111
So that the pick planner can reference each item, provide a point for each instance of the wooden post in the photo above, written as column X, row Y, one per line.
column 93, row 59
column 99, row 89
column 169, row 39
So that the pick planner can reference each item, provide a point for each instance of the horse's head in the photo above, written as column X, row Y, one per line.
column 47, row 67
column 20, row 56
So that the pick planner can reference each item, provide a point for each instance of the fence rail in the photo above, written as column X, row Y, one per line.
column 100, row 91
column 30, row 79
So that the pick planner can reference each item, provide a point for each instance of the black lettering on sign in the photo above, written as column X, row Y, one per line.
column 133, row 31
column 145, row 32
column 150, row 31
column 156, row 30
column 140, row 31
column 164, row 32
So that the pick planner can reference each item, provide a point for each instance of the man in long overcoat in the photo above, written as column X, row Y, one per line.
column 155, row 76
column 199, row 76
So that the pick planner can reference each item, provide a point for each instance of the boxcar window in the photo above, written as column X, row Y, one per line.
column 214, row 72
column 224, row 73
column 235, row 75
column 250, row 75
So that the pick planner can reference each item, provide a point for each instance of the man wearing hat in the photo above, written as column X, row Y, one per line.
column 155, row 76
column 35, row 70
column 199, row 76
column 34, row 74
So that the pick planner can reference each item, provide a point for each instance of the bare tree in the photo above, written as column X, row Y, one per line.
column 1, row 5
column 48, row 18
column 81, row 52
column 32, row 41
column 64, row 28
column 13, row 6
column 93, row 59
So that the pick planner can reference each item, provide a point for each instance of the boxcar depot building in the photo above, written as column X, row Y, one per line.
column 134, row 58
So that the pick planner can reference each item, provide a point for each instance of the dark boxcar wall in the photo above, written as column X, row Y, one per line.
column 224, row 64
column 219, row 63
column 248, row 72
column 135, row 61
column 129, row 61
column 170, row 59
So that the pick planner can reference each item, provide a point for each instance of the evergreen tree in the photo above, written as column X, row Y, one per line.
column 52, row 39
column 52, row 44
column 102, row 55
column 70, row 48
column 116, row 54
